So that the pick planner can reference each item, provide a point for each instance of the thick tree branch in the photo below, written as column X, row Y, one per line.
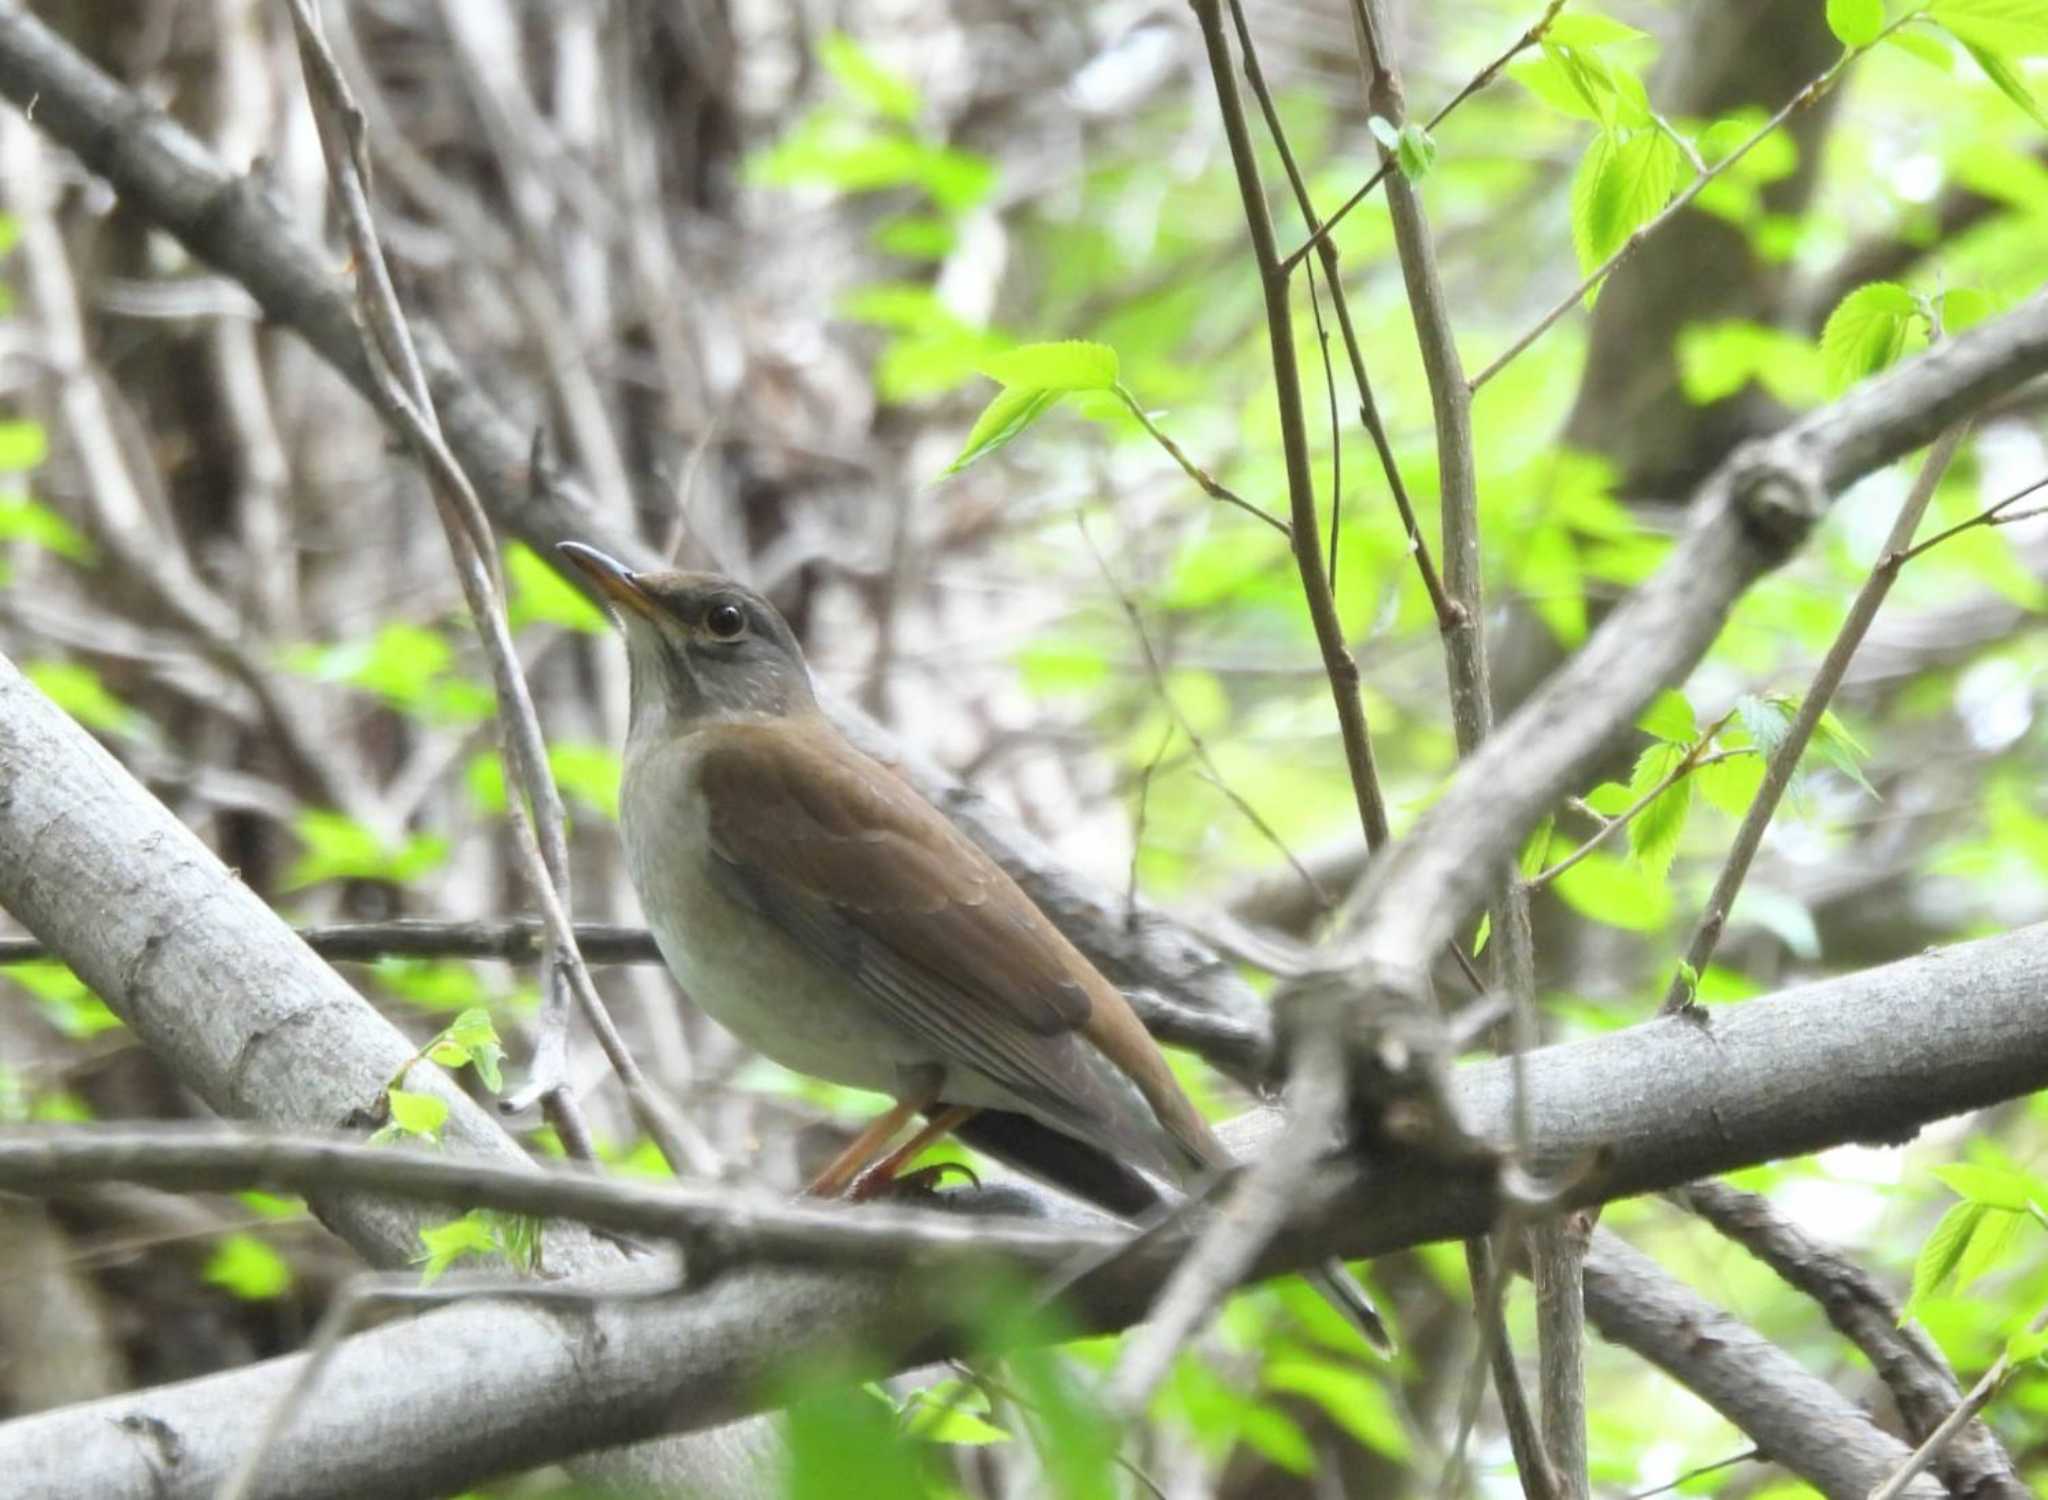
column 1747, row 517
column 1867, row 1057
column 1862, row 1311
column 1793, row 1415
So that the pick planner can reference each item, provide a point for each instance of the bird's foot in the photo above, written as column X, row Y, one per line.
column 922, row 1183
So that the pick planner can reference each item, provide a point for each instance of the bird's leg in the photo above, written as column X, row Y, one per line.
column 863, row 1148
column 878, row 1177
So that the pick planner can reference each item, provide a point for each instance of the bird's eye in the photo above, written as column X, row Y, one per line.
column 725, row 620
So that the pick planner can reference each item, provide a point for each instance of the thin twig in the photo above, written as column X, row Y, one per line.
column 1683, row 201
column 1691, row 761
column 402, row 388
column 1338, row 662
column 1320, row 234
column 1785, row 757
column 1156, row 671
column 1990, row 515
column 1206, row 482
column 1552, row 1461
column 1448, row 612
column 1966, row 1410
column 1691, row 1474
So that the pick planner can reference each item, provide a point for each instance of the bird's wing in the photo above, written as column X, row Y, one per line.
column 852, row 862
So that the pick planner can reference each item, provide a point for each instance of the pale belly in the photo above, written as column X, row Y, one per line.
column 751, row 978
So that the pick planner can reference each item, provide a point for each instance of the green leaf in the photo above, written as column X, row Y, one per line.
column 25, row 520
column 1617, row 892
column 1068, row 365
column 339, row 848
column 1866, row 331
column 1767, row 720
column 1415, row 152
column 1013, row 410
column 22, row 446
column 1277, row 1437
column 950, row 1411
column 1610, row 799
column 2025, row 1345
column 1354, row 1400
column 1732, row 784
column 78, row 690
column 879, row 88
column 1855, row 23
column 1654, row 833
column 1989, row 1246
column 1586, row 29
column 1965, row 307
column 473, row 1034
column 1839, row 749
column 444, row 1244
column 248, row 1268
column 2014, row 28
column 542, row 596
column 1385, row 132
column 1994, row 1187
column 1670, row 717
column 417, row 1114
column 916, row 237
column 1620, row 185
column 1932, row 50
column 2009, row 82
column 1943, row 1249
column 63, row 998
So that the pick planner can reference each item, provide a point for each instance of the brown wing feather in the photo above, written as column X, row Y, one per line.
column 822, row 837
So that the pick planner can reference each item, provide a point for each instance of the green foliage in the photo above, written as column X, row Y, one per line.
column 409, row 667
column 339, row 848
column 1033, row 379
column 413, row 1114
column 22, row 446
column 1411, row 146
column 26, row 520
column 584, row 772
column 79, row 691
column 1623, row 181
column 1856, row 23
column 1976, row 1235
column 885, row 92
column 1867, row 331
column 843, row 1440
column 471, row 1041
column 512, row 1238
column 540, row 595
column 63, row 998
column 248, row 1268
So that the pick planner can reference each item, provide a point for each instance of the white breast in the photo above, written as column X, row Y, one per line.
column 739, row 967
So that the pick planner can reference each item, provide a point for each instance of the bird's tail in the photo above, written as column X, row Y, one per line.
column 1342, row 1291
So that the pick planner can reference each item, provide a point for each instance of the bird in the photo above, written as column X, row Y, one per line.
column 818, row 907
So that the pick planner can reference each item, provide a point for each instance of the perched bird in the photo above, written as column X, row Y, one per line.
column 830, row 917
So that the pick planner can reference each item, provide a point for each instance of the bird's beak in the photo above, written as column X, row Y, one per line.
column 613, row 578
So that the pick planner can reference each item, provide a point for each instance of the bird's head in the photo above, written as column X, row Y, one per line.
column 702, row 648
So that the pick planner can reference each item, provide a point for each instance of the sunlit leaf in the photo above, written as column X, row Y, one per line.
column 1014, row 409
column 248, row 1268
column 2013, row 28
column 22, row 446
column 1670, row 717
column 541, row 595
column 1069, row 365
column 1866, row 332
column 417, row 1114
column 880, row 88
column 1855, row 23
column 1617, row 892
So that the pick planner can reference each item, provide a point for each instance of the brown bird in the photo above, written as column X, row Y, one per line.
column 831, row 918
